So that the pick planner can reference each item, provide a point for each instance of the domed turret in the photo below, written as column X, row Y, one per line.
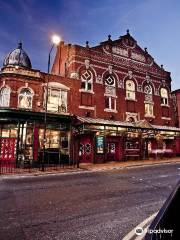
column 18, row 57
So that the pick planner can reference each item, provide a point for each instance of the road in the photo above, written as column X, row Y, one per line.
column 83, row 206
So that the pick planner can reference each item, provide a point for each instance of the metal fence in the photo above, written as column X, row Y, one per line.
column 166, row 225
column 52, row 162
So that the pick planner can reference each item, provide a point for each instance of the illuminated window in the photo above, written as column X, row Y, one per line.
column 148, row 109
column 130, row 90
column 57, row 100
column 164, row 96
column 25, row 98
column 5, row 96
column 86, row 80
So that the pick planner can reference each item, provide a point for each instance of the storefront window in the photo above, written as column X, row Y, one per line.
column 4, row 97
column 57, row 100
column 25, row 98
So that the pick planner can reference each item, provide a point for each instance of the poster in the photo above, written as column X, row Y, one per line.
column 100, row 144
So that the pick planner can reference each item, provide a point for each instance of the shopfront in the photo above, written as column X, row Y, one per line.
column 120, row 141
column 21, row 141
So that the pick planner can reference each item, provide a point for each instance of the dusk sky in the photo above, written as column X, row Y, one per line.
column 155, row 24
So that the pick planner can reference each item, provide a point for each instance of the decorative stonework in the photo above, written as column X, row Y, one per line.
column 120, row 51
column 139, row 88
column 74, row 75
column 130, row 115
column 99, row 79
column 157, row 92
column 110, row 69
column 148, row 80
column 148, row 98
column 87, row 63
column 120, row 84
column 130, row 74
column 138, row 57
column 109, row 90
column 21, row 71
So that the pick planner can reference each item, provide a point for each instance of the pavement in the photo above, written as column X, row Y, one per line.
column 89, row 167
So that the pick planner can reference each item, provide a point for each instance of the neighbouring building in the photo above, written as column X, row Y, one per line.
column 110, row 102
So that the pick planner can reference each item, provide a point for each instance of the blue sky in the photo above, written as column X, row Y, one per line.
column 155, row 24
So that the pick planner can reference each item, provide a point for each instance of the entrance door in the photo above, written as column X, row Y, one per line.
column 85, row 149
column 111, row 151
column 7, row 149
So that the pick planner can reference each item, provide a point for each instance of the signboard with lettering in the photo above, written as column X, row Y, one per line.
column 100, row 144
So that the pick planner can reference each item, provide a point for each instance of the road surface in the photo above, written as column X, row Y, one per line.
column 83, row 206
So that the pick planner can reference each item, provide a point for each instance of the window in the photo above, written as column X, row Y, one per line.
column 110, row 103
column 148, row 93
column 164, row 96
column 57, row 100
column 148, row 109
column 86, row 80
column 110, row 93
column 25, row 98
column 4, row 97
column 130, row 90
column 148, row 89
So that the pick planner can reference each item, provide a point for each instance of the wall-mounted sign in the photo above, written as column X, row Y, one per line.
column 100, row 144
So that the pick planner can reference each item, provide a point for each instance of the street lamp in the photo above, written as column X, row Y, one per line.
column 55, row 42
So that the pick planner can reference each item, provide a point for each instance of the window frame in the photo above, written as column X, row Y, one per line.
column 130, row 93
column 28, row 96
column 4, row 96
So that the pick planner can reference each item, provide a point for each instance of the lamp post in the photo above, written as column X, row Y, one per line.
column 55, row 42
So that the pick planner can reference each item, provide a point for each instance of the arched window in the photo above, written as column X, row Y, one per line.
column 5, row 97
column 25, row 98
column 86, row 80
column 110, row 93
column 164, row 96
column 130, row 90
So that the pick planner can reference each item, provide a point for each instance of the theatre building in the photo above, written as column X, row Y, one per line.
column 110, row 102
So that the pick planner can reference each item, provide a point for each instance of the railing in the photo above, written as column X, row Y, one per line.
column 166, row 225
column 53, row 162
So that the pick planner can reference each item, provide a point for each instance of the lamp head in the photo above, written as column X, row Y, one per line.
column 56, row 40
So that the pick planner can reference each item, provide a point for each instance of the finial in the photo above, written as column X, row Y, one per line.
column 162, row 66
column 145, row 49
column 87, row 44
column 20, row 45
column 109, row 37
column 128, row 32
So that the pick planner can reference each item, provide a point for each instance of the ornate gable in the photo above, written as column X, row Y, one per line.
column 126, row 47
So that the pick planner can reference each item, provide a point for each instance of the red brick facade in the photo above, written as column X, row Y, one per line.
column 108, row 102
column 124, row 60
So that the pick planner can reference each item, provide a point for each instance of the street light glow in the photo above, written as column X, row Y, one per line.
column 56, row 39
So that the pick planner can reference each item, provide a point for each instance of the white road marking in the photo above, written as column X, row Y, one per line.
column 141, row 225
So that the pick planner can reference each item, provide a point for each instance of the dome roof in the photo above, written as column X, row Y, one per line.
column 18, row 57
